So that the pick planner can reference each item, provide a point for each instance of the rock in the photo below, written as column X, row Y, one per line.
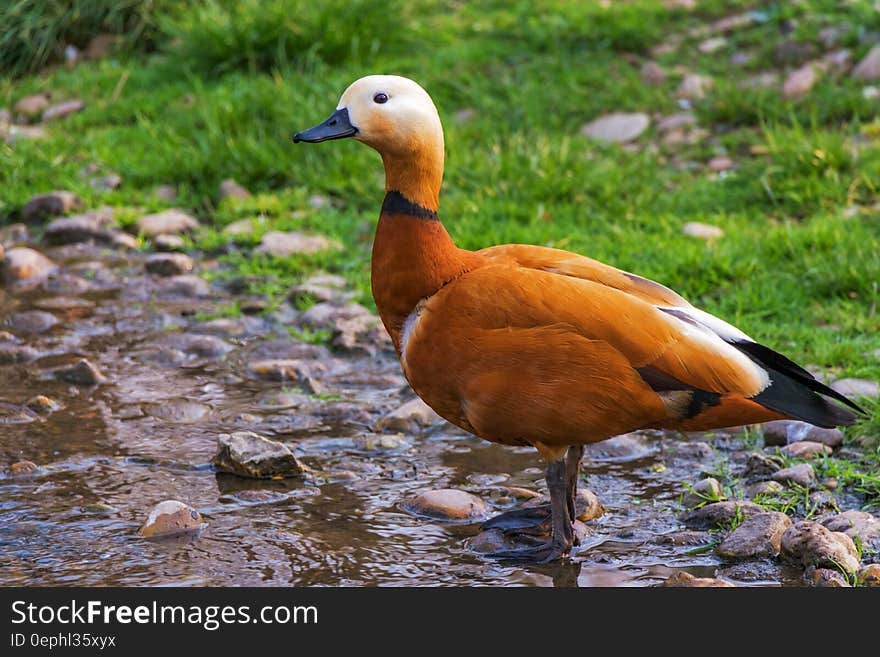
column 447, row 504
column 172, row 518
column 762, row 488
column 324, row 288
column 82, row 373
column 67, row 284
column 376, row 443
column 169, row 264
column 801, row 474
column 694, row 87
column 721, row 163
column 719, row 514
column 13, row 234
column 586, row 504
column 760, row 465
column 201, row 346
column 676, row 121
column 806, row 449
column 15, row 414
column 182, row 411
column 869, row 67
column 702, row 231
column 282, row 245
column 50, row 204
column 231, row 189
column 240, row 228
column 68, row 308
column 705, row 490
column 43, row 404
column 619, row 127
column 653, row 74
column 362, row 332
column 826, row 578
column 870, row 575
column 282, row 369
column 839, row 61
column 328, row 315
column 759, row 535
column 106, row 183
column 783, row 432
column 91, row 226
column 248, row 454
column 100, row 46
column 412, row 417
column 187, row 286
column 799, row 82
column 169, row 243
column 856, row 524
column 813, row 545
column 687, row 538
column 62, row 110
column 16, row 133
column 11, row 354
column 167, row 222
column 620, row 449
column 711, row 45
column 857, row 388
column 494, row 540
column 30, row 107
column 166, row 193
column 32, row 322
column 686, row 580
column 23, row 467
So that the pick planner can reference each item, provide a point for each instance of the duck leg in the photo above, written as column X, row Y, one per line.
column 572, row 474
column 561, row 531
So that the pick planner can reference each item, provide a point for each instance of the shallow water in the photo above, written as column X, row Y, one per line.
column 150, row 432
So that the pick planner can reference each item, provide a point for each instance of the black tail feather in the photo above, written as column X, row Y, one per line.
column 794, row 391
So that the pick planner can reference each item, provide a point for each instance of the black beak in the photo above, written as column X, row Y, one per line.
column 336, row 127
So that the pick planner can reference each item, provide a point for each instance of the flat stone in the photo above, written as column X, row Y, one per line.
column 50, row 204
column 869, row 67
column 90, row 226
column 857, row 387
column 172, row 518
column 169, row 264
column 839, row 61
column 719, row 514
column 619, row 127
column 806, row 449
column 758, row 536
column 814, row 545
column 32, row 322
column 653, row 74
column 30, row 107
column 676, row 121
column 801, row 474
column 282, row 245
column 248, row 454
column 783, row 432
column 686, row 580
column 799, row 82
column 167, row 222
column 82, row 373
column 855, row 523
column 231, row 189
column 169, row 243
column 67, row 284
column 412, row 417
column 62, row 110
column 694, row 87
column 705, row 490
column 447, row 504
column 702, row 231
column 185, row 286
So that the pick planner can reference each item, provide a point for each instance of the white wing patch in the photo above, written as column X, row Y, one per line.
column 408, row 325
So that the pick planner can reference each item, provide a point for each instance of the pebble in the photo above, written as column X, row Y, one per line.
column 13, row 234
column 855, row 523
column 801, row 474
column 323, row 288
column 676, row 121
column 380, row 443
column 15, row 414
column 412, row 417
column 494, row 540
column 839, row 60
column 782, row 432
column 686, row 538
column 619, row 127
column 694, row 87
column 826, row 578
column 799, row 82
column 240, row 228
column 719, row 514
column 171, row 222
column 870, row 575
column 23, row 467
column 282, row 369
column 248, row 454
column 62, row 110
column 171, row 518
column 686, row 580
column 43, row 404
column 759, row 535
column 95, row 225
column 82, row 373
column 282, row 245
column 447, row 504
column 763, row 80
column 705, row 490
column 721, row 163
column 759, row 465
column 362, row 332
column 50, row 204
column 11, row 354
column 869, row 67
column 702, row 231
column 806, row 449
column 32, row 321
column 813, row 545
column 327, row 315
column 231, row 189
column 857, row 388
column 169, row 243
column 653, row 74
column 18, row 132
column 711, row 45
column 620, row 449
column 69, row 308
column 202, row 346
column 186, row 286
column 30, row 107
column 183, row 411
column 169, row 264
column 66, row 284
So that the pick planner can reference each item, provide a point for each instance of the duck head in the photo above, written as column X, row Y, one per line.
column 397, row 118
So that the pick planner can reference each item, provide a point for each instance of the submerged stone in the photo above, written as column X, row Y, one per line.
column 447, row 504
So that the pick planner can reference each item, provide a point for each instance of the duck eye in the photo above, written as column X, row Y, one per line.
column 380, row 98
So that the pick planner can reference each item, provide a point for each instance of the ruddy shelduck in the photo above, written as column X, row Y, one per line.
column 528, row 345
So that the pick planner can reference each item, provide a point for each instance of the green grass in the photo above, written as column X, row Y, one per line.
column 798, row 266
